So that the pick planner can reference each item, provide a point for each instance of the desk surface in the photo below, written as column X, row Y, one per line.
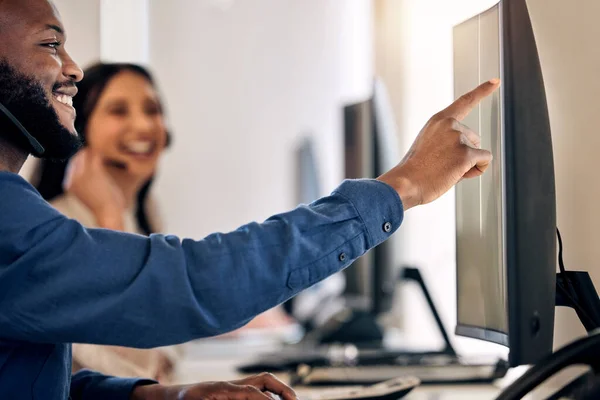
column 478, row 392
column 216, row 360
column 224, row 369
column 462, row 392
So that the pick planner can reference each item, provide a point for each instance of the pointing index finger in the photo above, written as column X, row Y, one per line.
column 465, row 103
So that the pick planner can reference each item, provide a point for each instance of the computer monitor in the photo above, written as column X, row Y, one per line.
column 370, row 149
column 506, row 219
column 318, row 303
column 308, row 186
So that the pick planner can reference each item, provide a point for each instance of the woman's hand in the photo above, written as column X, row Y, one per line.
column 258, row 387
column 87, row 178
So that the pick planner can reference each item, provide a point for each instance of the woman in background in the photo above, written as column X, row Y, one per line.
column 107, row 185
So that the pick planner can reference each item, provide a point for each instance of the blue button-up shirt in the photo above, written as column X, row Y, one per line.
column 62, row 283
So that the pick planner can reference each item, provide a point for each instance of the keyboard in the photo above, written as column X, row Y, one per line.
column 388, row 390
column 430, row 374
column 376, row 365
column 289, row 358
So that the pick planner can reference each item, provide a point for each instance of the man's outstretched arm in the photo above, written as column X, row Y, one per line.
column 62, row 283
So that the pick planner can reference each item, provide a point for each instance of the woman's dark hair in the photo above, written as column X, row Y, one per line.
column 51, row 174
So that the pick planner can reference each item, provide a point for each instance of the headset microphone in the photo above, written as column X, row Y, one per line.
column 38, row 149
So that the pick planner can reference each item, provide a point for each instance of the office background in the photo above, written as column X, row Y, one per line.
column 245, row 80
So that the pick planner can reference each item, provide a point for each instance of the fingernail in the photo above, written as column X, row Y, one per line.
column 494, row 81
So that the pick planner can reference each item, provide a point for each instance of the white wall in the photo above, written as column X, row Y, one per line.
column 82, row 21
column 124, row 27
column 242, row 83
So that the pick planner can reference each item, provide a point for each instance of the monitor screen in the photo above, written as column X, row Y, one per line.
column 481, row 262
column 506, row 219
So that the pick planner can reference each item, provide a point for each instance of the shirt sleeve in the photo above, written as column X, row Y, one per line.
column 89, row 385
column 61, row 282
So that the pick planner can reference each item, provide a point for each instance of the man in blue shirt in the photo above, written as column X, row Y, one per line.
column 61, row 283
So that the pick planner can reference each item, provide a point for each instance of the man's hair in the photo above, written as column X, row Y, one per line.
column 26, row 99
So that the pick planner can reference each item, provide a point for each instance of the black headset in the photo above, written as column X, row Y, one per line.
column 37, row 149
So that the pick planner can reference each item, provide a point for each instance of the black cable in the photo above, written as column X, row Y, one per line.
column 561, row 265
column 38, row 149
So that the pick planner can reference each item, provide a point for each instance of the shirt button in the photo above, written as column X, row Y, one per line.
column 342, row 257
column 387, row 227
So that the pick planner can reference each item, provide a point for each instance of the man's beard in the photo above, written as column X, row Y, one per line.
column 26, row 99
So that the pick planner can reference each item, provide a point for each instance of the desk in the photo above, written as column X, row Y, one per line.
column 467, row 392
column 216, row 360
column 211, row 370
column 462, row 392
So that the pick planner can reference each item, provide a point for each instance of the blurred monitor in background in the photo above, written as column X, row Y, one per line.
column 366, row 288
column 371, row 148
column 314, row 306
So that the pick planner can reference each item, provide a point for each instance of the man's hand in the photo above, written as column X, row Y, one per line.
column 444, row 152
column 258, row 387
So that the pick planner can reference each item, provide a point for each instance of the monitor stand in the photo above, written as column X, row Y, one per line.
column 576, row 290
column 413, row 274
column 361, row 329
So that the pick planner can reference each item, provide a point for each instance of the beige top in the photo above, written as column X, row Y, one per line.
column 111, row 360
column 70, row 206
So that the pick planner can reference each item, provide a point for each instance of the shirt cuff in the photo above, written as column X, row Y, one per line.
column 120, row 388
column 378, row 205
